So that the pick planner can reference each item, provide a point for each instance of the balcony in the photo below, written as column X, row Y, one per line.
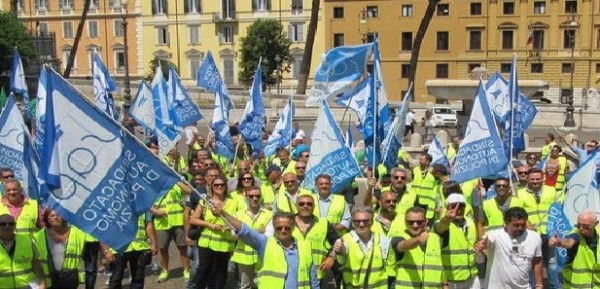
column 224, row 17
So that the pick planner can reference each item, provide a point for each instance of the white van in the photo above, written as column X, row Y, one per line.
column 440, row 116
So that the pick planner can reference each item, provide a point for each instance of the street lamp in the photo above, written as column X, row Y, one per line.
column 127, row 88
column 569, row 119
column 278, row 62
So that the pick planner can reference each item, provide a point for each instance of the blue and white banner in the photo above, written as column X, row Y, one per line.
column 497, row 88
column 220, row 126
column 340, row 68
column 357, row 99
column 328, row 154
column 436, row 151
column 164, row 115
column 348, row 138
column 252, row 123
column 12, row 130
column 480, row 153
column 186, row 112
column 282, row 132
column 32, row 181
column 558, row 224
column 101, row 178
column 40, row 113
column 582, row 190
column 103, row 86
column 394, row 136
column 210, row 79
column 18, row 85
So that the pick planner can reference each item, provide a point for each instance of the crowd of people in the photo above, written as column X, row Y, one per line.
column 413, row 228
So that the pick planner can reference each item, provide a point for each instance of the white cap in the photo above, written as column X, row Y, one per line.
column 456, row 198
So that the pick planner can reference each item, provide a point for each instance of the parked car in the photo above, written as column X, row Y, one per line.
column 441, row 116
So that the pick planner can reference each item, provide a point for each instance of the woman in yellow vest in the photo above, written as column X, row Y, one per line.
column 245, row 181
column 61, row 251
column 555, row 169
column 216, row 242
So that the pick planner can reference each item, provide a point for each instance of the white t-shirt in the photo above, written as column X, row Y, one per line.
column 300, row 134
column 509, row 261
column 410, row 117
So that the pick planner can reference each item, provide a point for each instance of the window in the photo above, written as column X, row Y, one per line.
column 443, row 9
column 66, row 54
column 472, row 66
column 114, row 3
column 505, row 67
column 296, row 32
column 407, row 41
column 371, row 36
column 475, row 40
column 538, row 39
column 43, row 28
column 507, row 39
column 120, row 60
column 296, row 66
column 160, row 7
column 194, row 34
column 570, row 6
column 67, row 29
column 228, row 8
column 93, row 29
column 338, row 39
column 162, row 35
column 298, row 7
column 119, row 32
column 226, row 34
column 372, row 12
column 539, row 7
column 338, row 12
column 569, row 39
column 228, row 71
column 564, row 95
column 597, row 67
column 404, row 70
column 194, row 66
column 407, row 10
column 508, row 8
column 191, row 6
column 441, row 70
column 95, row 4
column 476, row 8
column 537, row 68
column 567, row 68
column 261, row 5
column 597, row 38
column 41, row 5
column 443, row 40
column 65, row 5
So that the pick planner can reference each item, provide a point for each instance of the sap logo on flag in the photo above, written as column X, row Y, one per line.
column 12, row 139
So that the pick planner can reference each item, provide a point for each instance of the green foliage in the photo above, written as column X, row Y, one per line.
column 13, row 33
column 163, row 64
column 266, row 39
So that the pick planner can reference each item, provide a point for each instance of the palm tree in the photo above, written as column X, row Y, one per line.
column 414, row 54
column 308, row 48
column 86, row 8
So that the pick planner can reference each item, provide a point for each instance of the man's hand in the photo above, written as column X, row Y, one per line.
column 423, row 237
column 554, row 241
column 452, row 212
column 154, row 249
column 327, row 264
column 159, row 213
column 109, row 256
column 338, row 246
column 482, row 244
column 216, row 209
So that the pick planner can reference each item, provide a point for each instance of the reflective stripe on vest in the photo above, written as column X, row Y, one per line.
column 243, row 253
column 584, row 272
column 317, row 236
column 140, row 242
column 72, row 256
column 418, row 269
column 560, row 180
column 538, row 213
column 424, row 187
column 357, row 264
column 272, row 270
column 16, row 272
column 335, row 211
column 27, row 220
column 171, row 204
column 458, row 258
column 220, row 241
column 493, row 214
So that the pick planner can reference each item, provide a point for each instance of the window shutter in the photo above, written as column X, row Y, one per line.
column 154, row 7
column 166, row 6
column 290, row 32
column 300, row 32
column 254, row 8
column 268, row 5
column 186, row 6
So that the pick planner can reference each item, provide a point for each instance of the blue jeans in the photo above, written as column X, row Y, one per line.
column 192, row 252
column 90, row 261
column 549, row 258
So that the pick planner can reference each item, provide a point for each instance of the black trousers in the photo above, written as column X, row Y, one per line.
column 136, row 269
column 212, row 269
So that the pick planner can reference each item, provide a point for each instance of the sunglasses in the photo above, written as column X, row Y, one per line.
column 305, row 204
column 399, row 178
column 363, row 221
column 301, row 168
column 253, row 196
column 7, row 224
column 501, row 186
column 418, row 222
column 283, row 228
column 532, row 158
column 247, row 179
column 391, row 201
column 8, row 177
column 523, row 173
column 218, row 185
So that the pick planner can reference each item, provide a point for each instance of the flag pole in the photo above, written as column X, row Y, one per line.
column 375, row 107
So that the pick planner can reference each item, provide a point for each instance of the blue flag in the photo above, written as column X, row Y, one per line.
column 436, row 151
column 348, row 139
column 40, row 113
column 185, row 110
column 210, row 79
column 394, row 136
column 558, row 224
column 252, row 122
column 18, row 85
column 32, row 181
column 328, row 153
column 164, row 115
column 497, row 88
column 582, row 190
column 357, row 99
column 12, row 130
column 282, row 133
column 103, row 85
column 101, row 178
column 220, row 125
column 480, row 154
column 341, row 67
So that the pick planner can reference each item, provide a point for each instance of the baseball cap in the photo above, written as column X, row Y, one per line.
column 456, row 198
column 272, row 168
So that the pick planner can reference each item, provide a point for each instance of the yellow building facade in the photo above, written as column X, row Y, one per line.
column 103, row 31
column 183, row 31
column 550, row 37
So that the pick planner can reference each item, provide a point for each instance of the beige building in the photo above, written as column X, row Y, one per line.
column 550, row 37
column 103, row 31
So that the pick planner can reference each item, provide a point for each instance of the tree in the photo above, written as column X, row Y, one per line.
column 308, row 48
column 265, row 38
column 14, row 34
column 86, row 8
column 164, row 65
column 414, row 54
